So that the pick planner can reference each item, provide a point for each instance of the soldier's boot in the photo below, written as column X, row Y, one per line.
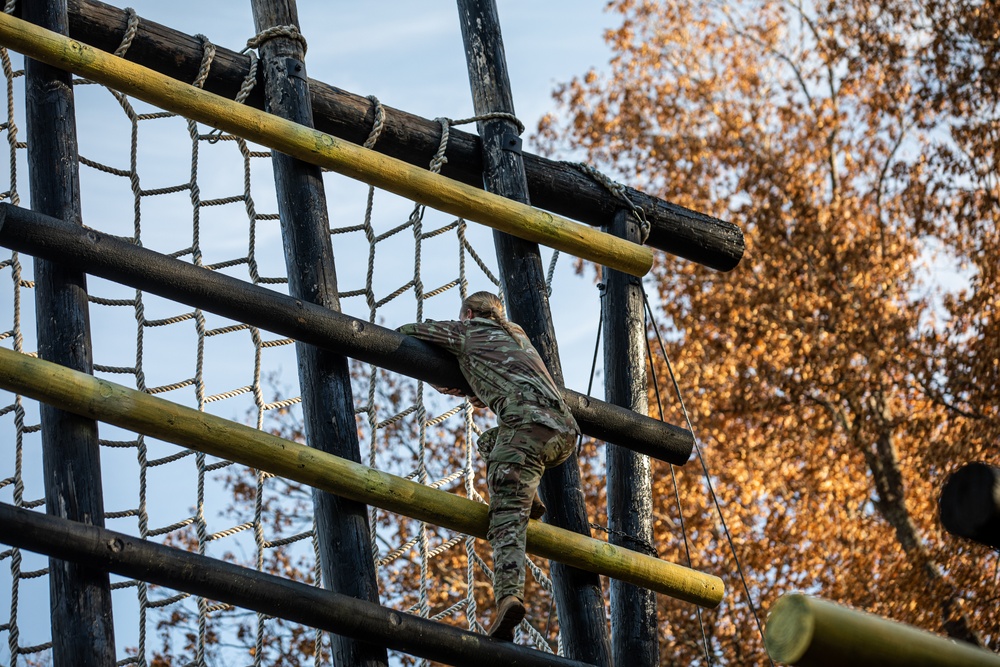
column 537, row 508
column 510, row 612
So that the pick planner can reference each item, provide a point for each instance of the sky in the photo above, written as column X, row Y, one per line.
column 408, row 54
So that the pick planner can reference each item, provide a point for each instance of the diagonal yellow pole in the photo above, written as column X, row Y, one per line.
column 136, row 411
column 419, row 185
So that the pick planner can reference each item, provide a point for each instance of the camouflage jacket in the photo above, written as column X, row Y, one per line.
column 506, row 373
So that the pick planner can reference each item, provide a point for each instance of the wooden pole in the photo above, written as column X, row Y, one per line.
column 140, row 412
column 315, row 147
column 970, row 504
column 811, row 632
column 342, row 525
column 115, row 259
column 634, row 631
column 82, row 627
column 268, row 594
column 578, row 594
column 554, row 186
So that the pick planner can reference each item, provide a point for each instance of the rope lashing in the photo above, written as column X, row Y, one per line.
column 288, row 31
column 619, row 191
column 131, row 28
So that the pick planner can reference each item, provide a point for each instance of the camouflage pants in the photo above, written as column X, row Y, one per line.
column 516, row 459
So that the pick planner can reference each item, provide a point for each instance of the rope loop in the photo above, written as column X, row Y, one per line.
column 131, row 27
column 619, row 191
column 207, row 56
column 493, row 115
column 289, row 31
column 377, row 124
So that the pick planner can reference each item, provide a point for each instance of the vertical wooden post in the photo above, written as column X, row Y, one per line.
column 634, row 639
column 82, row 628
column 578, row 594
column 328, row 406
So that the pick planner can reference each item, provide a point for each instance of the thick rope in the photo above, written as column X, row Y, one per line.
column 287, row 31
column 619, row 191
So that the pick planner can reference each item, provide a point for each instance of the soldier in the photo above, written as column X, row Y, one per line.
column 535, row 431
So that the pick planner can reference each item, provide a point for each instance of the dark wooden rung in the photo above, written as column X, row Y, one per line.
column 249, row 589
column 115, row 259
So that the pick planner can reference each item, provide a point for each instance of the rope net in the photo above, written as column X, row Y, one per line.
column 174, row 186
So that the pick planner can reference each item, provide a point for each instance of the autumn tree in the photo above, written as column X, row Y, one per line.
column 833, row 382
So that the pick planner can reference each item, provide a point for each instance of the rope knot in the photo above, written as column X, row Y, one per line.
column 289, row 31
column 619, row 191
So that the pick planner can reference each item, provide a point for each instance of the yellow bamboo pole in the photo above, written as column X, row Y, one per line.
column 419, row 185
column 134, row 410
column 811, row 632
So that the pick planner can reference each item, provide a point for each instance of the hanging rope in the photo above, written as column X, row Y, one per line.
column 708, row 477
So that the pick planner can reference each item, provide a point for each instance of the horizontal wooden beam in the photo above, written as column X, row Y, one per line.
column 294, row 601
column 124, row 262
column 155, row 417
column 310, row 145
column 970, row 503
column 555, row 186
column 811, row 632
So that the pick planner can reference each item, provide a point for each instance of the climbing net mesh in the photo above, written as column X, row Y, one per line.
column 205, row 198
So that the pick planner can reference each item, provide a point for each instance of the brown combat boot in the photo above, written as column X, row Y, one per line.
column 537, row 508
column 510, row 611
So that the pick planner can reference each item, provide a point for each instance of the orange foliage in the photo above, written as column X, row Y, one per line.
column 832, row 387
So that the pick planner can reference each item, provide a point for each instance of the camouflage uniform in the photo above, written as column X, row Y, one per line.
column 536, row 429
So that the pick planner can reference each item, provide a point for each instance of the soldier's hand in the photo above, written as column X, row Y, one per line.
column 451, row 391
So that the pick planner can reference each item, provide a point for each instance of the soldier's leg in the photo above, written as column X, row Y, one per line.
column 558, row 447
column 513, row 474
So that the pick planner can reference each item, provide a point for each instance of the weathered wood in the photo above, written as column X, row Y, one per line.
column 119, row 260
column 324, row 150
column 82, row 628
column 634, row 638
column 554, row 186
column 327, row 400
column 579, row 600
column 970, row 504
column 810, row 632
column 268, row 594
column 143, row 413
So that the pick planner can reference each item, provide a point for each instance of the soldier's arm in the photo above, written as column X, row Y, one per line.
column 448, row 336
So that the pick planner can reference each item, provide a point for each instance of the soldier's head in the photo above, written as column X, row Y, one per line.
column 483, row 304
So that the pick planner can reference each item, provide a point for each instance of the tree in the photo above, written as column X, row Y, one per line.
column 833, row 386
